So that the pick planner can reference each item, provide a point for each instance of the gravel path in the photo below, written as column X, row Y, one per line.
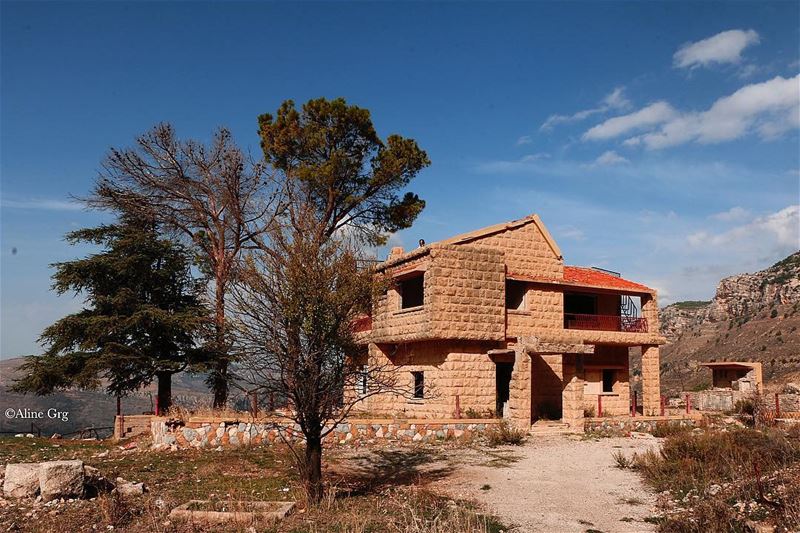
column 557, row 485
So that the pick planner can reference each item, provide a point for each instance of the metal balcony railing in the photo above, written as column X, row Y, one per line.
column 605, row 323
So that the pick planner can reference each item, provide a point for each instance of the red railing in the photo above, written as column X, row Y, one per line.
column 605, row 323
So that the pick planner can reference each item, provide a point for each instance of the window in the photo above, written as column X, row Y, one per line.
column 608, row 380
column 412, row 292
column 515, row 294
column 419, row 384
column 361, row 383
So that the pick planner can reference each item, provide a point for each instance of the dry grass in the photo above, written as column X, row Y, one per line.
column 505, row 433
column 718, row 481
column 390, row 495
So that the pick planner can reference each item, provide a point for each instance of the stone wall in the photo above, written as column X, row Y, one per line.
column 464, row 297
column 451, row 368
column 611, row 357
column 467, row 297
column 547, row 386
column 131, row 426
column 527, row 251
column 642, row 424
column 212, row 433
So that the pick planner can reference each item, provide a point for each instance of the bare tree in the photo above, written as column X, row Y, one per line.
column 296, row 305
column 213, row 195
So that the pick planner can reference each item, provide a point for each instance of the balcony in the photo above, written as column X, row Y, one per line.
column 605, row 323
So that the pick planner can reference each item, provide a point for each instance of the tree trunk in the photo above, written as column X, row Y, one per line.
column 313, row 469
column 164, row 391
column 219, row 380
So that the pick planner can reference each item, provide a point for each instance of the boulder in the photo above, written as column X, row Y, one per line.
column 61, row 479
column 21, row 480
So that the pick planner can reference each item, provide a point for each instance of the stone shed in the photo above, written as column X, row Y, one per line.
column 492, row 322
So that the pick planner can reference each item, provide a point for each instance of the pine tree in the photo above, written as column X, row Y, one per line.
column 141, row 320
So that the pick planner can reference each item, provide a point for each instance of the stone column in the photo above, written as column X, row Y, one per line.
column 572, row 398
column 651, row 380
column 519, row 401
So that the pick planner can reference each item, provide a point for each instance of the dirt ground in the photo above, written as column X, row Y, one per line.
column 554, row 484
column 560, row 485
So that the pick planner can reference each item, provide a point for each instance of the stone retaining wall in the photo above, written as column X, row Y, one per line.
column 642, row 424
column 205, row 433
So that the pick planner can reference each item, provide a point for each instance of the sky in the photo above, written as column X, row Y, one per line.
column 659, row 140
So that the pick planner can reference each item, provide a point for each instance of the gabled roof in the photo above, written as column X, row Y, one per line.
column 477, row 234
column 505, row 226
column 594, row 278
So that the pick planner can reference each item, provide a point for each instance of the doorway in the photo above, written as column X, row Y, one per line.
column 503, row 387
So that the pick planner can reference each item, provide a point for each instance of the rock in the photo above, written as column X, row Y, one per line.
column 61, row 479
column 55, row 436
column 130, row 489
column 713, row 490
column 29, row 435
column 2, row 471
column 21, row 480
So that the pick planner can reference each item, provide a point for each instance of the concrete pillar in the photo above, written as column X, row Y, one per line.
column 651, row 380
column 572, row 404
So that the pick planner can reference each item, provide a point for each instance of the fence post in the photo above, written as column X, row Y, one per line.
column 458, row 406
column 688, row 404
column 254, row 404
column 156, row 409
column 633, row 410
column 777, row 406
column 663, row 405
column 599, row 405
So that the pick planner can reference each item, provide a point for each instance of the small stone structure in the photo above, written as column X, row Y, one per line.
column 732, row 381
column 213, row 432
column 205, row 511
column 493, row 320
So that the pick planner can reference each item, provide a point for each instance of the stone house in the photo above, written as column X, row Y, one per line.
column 492, row 321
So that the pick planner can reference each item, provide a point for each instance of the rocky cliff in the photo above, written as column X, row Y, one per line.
column 753, row 317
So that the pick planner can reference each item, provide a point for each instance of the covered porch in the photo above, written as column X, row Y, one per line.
column 584, row 381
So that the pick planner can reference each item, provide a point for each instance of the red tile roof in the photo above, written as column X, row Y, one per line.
column 596, row 278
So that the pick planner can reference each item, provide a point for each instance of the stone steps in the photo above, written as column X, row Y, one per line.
column 546, row 428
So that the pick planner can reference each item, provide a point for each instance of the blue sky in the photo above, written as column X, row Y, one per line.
column 656, row 139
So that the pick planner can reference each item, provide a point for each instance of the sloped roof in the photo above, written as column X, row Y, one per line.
column 595, row 278
column 504, row 226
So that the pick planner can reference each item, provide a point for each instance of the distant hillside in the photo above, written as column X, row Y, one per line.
column 753, row 317
column 87, row 408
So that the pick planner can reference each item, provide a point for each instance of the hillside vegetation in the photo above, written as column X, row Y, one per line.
column 753, row 317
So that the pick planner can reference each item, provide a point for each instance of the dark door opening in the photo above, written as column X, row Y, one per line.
column 503, row 386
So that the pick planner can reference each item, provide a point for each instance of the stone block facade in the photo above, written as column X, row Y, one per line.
column 490, row 334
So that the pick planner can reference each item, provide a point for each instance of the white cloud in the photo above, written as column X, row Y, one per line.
column 651, row 115
column 733, row 214
column 42, row 204
column 724, row 47
column 525, row 139
column 614, row 100
column 610, row 158
column 781, row 228
column 770, row 108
